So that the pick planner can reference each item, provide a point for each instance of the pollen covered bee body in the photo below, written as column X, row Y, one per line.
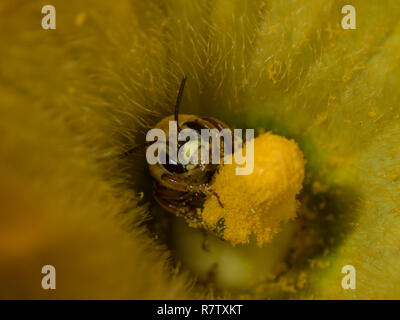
column 182, row 189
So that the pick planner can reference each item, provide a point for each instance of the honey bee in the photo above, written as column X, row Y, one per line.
column 182, row 189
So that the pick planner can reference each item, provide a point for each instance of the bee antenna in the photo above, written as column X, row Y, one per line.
column 179, row 99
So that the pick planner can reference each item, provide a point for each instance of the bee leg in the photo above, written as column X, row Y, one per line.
column 205, row 243
column 212, row 273
column 206, row 189
column 215, row 194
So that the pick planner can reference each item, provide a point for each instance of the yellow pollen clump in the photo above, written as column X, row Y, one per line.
column 259, row 202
